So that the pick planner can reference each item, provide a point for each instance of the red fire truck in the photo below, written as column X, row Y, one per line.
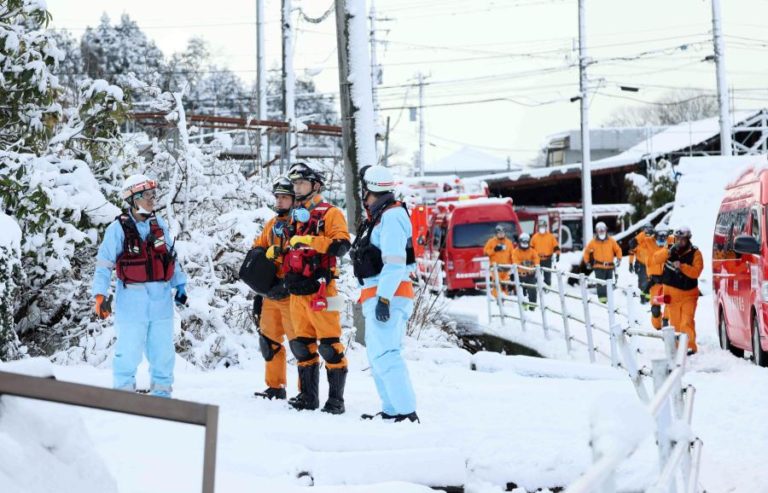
column 451, row 234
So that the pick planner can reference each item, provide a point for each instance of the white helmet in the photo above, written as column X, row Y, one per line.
column 135, row 184
column 525, row 238
column 378, row 179
column 601, row 226
column 683, row 232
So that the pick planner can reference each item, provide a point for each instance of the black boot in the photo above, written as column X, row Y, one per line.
column 382, row 414
column 309, row 380
column 337, row 377
column 412, row 417
column 271, row 393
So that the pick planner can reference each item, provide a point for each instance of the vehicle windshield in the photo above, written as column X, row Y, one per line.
column 474, row 235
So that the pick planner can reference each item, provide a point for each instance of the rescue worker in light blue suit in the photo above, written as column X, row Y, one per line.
column 383, row 261
column 144, row 311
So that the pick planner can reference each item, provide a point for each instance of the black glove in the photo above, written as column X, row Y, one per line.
column 258, row 302
column 382, row 310
column 181, row 297
column 498, row 247
column 632, row 267
column 588, row 266
column 557, row 257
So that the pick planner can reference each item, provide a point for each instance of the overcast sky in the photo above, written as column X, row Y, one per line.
column 520, row 53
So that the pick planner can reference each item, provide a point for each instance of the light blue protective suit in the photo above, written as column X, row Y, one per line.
column 383, row 340
column 143, row 315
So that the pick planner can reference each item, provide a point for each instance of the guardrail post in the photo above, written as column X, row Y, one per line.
column 670, row 345
column 542, row 301
column 499, row 293
column 209, row 457
column 612, row 322
column 587, row 318
column 519, row 295
column 485, row 265
column 564, row 309
column 693, row 477
column 660, row 370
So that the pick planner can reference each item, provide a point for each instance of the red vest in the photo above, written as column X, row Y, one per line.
column 305, row 261
column 147, row 260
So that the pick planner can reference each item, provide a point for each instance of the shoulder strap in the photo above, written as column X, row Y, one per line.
column 132, row 240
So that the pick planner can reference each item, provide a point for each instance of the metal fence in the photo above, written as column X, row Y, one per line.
column 658, row 382
column 76, row 394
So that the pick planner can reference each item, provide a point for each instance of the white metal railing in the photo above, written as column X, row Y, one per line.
column 430, row 272
column 670, row 404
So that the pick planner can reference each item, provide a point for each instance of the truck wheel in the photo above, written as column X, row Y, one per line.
column 759, row 357
column 725, row 343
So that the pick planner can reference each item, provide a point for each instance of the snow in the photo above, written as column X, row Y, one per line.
column 46, row 447
column 469, row 159
column 640, row 182
column 360, row 82
column 11, row 233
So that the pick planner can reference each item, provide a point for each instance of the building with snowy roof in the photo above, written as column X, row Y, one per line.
column 565, row 147
column 469, row 161
column 557, row 184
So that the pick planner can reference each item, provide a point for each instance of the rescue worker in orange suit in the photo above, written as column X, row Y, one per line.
column 526, row 259
column 603, row 256
column 272, row 309
column 383, row 260
column 499, row 250
column 546, row 245
column 320, row 236
column 139, row 248
column 640, row 247
column 683, row 264
column 659, row 313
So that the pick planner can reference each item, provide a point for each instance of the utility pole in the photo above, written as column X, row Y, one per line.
column 358, row 136
column 421, row 124
column 375, row 70
column 726, row 148
column 261, row 79
column 289, row 84
column 586, row 171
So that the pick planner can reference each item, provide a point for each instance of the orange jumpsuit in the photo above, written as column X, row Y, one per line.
column 310, row 325
column 601, row 255
column 527, row 259
column 502, row 256
column 546, row 246
column 682, row 289
column 275, row 320
column 655, row 269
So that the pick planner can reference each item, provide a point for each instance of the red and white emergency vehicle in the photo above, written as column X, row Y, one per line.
column 452, row 233
column 740, row 266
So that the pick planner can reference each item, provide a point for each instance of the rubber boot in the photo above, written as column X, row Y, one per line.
column 412, row 417
column 309, row 381
column 381, row 415
column 271, row 393
column 337, row 378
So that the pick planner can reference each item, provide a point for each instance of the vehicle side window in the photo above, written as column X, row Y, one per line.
column 755, row 229
column 437, row 237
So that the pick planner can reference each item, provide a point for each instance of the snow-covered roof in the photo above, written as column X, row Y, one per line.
column 672, row 139
column 469, row 159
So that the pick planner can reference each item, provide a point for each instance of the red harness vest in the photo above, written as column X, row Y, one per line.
column 306, row 261
column 147, row 260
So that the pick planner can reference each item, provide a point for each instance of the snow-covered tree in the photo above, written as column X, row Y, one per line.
column 10, row 277
column 70, row 69
column 28, row 88
column 185, row 69
column 114, row 52
column 219, row 92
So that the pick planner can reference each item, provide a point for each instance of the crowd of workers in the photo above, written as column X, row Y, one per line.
column 293, row 267
column 667, row 266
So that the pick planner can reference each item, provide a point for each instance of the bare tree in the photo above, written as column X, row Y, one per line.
column 672, row 108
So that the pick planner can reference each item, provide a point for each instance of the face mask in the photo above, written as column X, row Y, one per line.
column 301, row 215
column 661, row 242
column 542, row 230
column 524, row 246
column 602, row 235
